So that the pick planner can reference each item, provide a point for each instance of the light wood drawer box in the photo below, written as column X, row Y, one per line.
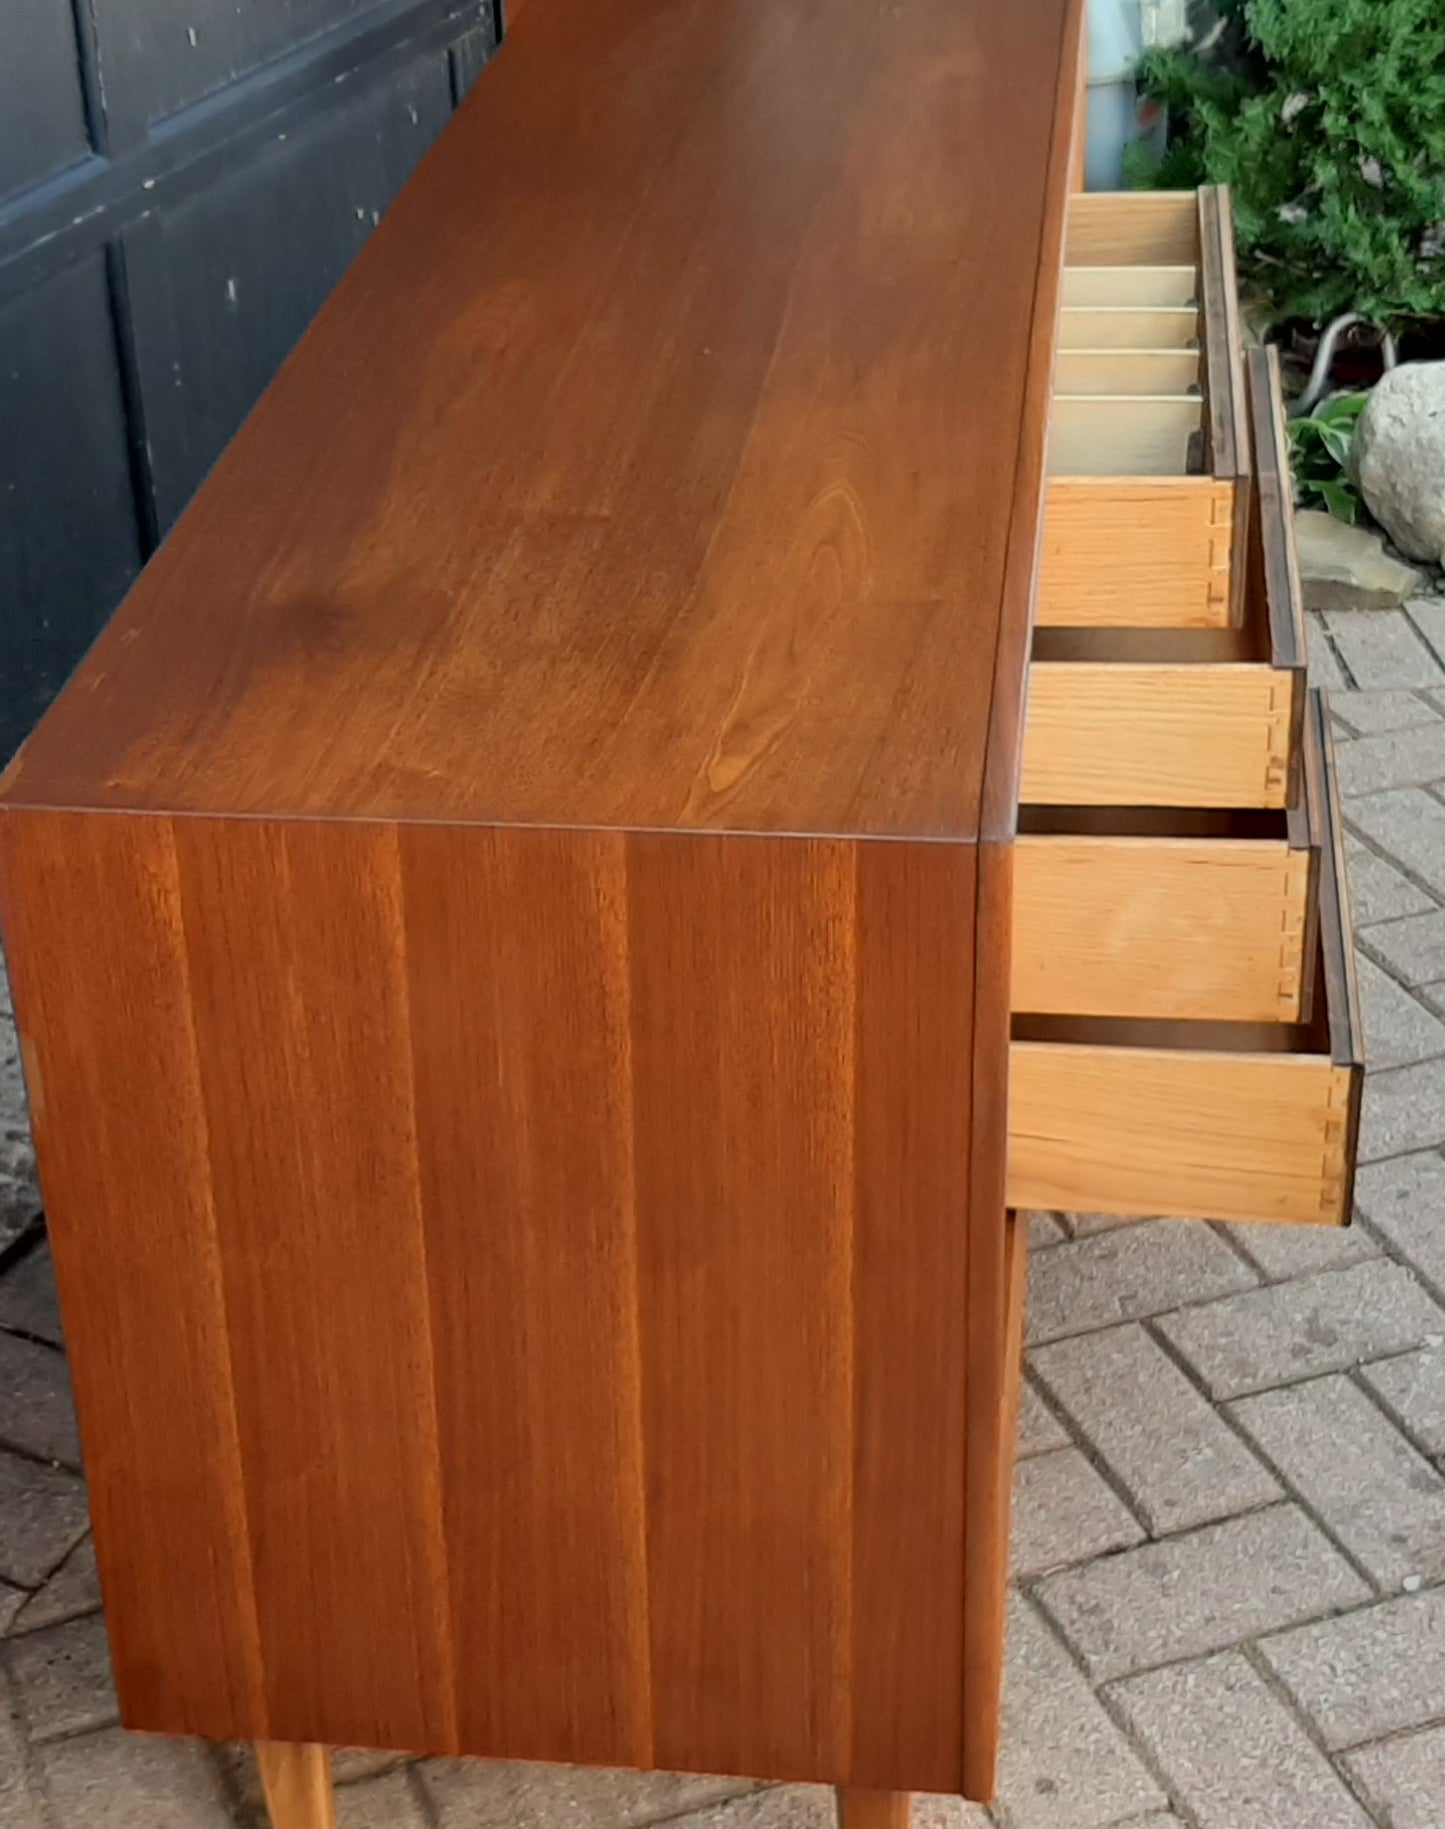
column 1220, row 1120
column 1172, row 916
column 1184, row 717
column 1148, row 447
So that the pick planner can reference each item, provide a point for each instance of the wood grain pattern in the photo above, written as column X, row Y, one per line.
column 1136, row 287
column 1187, row 929
column 1152, row 733
column 1126, row 435
column 1126, row 371
column 568, row 1354
column 668, row 453
column 1229, row 434
column 526, row 878
column 874, row 1809
column 297, row 1785
column 1152, row 554
column 1168, row 327
column 96, row 950
column 1126, row 228
column 1192, row 1132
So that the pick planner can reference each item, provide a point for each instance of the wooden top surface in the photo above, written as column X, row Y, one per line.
column 670, row 457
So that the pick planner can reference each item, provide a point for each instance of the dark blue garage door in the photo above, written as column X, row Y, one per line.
column 181, row 184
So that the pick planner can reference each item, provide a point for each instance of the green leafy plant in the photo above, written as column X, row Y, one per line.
column 1320, row 456
column 1327, row 120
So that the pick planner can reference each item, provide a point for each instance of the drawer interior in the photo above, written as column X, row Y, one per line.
column 1128, row 371
column 1126, row 435
column 1132, row 228
column 1132, row 286
column 1164, row 329
column 1218, row 1119
column 1148, row 284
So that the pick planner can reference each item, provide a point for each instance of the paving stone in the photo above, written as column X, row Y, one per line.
column 63, row 1673
column 1398, row 1028
column 19, row 1800
column 349, row 1764
column 1402, row 1110
column 1404, row 1200
column 1404, row 1779
column 497, row 1794
column 27, row 1296
column 1085, row 1225
column 1178, row 1460
column 1378, row 891
column 72, row 1590
column 1371, row 1673
column 777, row 1807
column 1428, row 616
column 1127, row 1274
column 1201, row 1592
column 947, row 1813
column 1039, row 1428
column 42, row 1518
column 19, row 1198
column 1407, row 824
column 11, row 1602
column 1413, row 1386
column 1232, row 1752
column 1064, row 1511
column 1292, row 1331
column 1282, row 1252
column 1324, row 668
column 116, row 1780
column 1383, row 649
column 1371, row 714
column 1396, row 758
column 1045, row 1229
column 37, row 1413
column 1413, row 948
column 1382, row 1500
column 1062, row 1762
column 389, row 1802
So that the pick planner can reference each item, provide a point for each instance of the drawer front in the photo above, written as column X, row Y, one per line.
column 1140, row 716
column 1158, row 734
column 1215, row 1120
column 1138, row 1131
column 1171, row 928
column 1136, row 553
column 1148, row 442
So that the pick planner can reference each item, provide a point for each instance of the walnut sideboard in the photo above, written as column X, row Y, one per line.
column 734, row 717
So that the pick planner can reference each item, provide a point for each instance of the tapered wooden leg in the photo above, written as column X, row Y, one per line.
column 297, row 1783
column 874, row 1809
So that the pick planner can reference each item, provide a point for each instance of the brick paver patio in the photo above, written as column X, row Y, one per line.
column 1230, row 1540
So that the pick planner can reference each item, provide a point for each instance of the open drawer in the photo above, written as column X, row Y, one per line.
column 1148, row 446
column 1173, row 916
column 1220, row 1120
column 1184, row 717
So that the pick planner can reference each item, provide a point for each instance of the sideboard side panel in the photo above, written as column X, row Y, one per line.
column 518, row 1281
column 97, row 960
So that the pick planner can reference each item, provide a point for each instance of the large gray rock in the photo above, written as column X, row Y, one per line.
column 1347, row 568
column 1398, row 457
